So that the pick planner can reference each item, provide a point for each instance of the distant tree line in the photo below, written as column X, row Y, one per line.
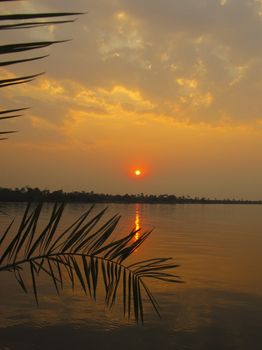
column 28, row 194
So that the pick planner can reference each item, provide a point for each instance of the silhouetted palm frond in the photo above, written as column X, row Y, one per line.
column 85, row 253
column 7, row 113
column 15, row 48
column 27, row 21
column 29, row 25
column 20, row 80
column 8, row 63
column 25, row 16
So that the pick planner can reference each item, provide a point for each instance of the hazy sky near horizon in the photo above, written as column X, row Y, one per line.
column 172, row 87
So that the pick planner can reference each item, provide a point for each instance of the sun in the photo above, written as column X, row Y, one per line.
column 137, row 172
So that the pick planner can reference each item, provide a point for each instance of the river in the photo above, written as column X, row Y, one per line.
column 219, row 305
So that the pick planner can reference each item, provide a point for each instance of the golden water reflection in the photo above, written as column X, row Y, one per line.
column 138, row 221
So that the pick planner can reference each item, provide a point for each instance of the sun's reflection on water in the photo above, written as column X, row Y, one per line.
column 138, row 221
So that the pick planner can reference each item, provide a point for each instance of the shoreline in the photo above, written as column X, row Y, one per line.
column 28, row 194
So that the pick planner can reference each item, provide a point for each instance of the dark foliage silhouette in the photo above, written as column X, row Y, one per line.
column 26, row 194
column 86, row 254
column 25, row 21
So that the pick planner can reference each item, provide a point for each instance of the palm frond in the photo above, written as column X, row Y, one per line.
column 9, row 63
column 6, row 115
column 25, row 16
column 27, row 21
column 7, row 132
column 35, row 24
column 11, row 116
column 18, row 80
column 86, row 254
column 13, row 110
column 20, row 47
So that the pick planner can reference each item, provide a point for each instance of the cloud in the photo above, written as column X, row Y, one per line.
column 188, row 61
column 151, row 46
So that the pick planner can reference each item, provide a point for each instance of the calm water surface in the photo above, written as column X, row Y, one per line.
column 219, row 307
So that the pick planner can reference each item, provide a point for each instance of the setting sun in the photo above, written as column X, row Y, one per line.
column 138, row 171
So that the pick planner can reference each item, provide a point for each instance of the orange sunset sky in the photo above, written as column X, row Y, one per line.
column 170, row 87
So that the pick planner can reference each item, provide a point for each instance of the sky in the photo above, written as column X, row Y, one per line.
column 170, row 87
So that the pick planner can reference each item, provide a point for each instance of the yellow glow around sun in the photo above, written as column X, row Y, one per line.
column 137, row 172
